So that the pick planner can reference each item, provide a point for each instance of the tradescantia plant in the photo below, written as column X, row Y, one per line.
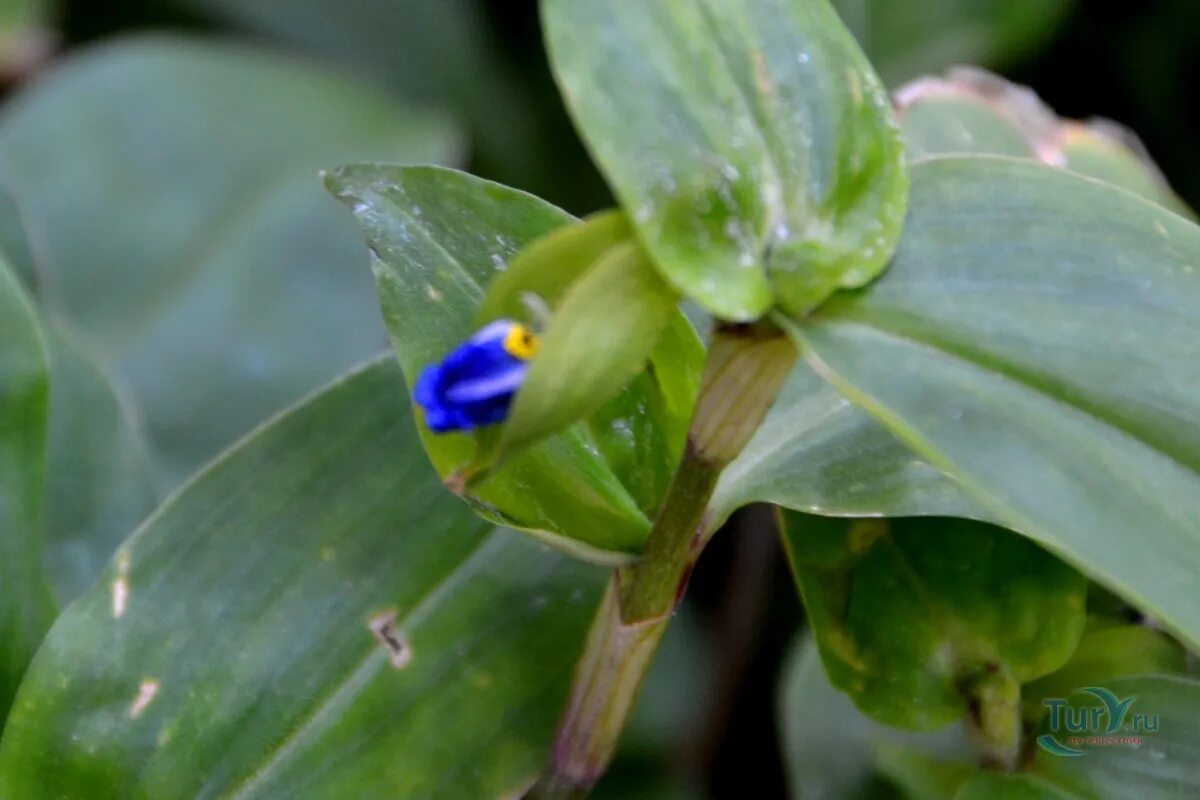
column 950, row 337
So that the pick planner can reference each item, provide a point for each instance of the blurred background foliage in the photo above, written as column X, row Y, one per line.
column 462, row 82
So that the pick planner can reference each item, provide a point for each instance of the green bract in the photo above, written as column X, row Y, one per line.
column 439, row 238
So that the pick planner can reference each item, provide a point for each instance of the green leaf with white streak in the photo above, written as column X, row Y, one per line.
column 194, row 251
column 749, row 140
column 26, row 606
column 438, row 237
column 909, row 613
column 1034, row 342
column 311, row 617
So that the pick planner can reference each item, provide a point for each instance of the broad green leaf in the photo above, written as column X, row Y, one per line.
column 1104, row 653
column 830, row 748
column 818, row 452
column 313, row 616
column 600, row 339
column 26, row 606
column 1165, row 765
column 907, row 38
column 985, row 785
column 1034, row 342
column 438, row 237
column 172, row 187
column 99, row 479
column 749, row 140
column 908, row 613
column 971, row 111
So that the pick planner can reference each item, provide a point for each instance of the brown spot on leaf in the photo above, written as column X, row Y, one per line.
column 383, row 627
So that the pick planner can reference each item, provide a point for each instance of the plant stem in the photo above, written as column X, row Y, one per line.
column 746, row 368
column 994, row 726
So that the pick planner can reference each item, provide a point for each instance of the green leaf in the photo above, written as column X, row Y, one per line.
column 909, row 613
column 600, row 339
column 750, row 142
column 971, row 111
column 985, row 785
column 193, row 250
column 818, row 452
column 313, row 616
column 1105, row 653
column 549, row 266
column 954, row 116
column 1106, row 151
column 437, row 238
column 99, row 479
column 537, row 278
column 1165, row 765
column 830, row 748
column 26, row 606
column 1033, row 342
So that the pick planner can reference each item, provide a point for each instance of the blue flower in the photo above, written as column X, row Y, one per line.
column 475, row 384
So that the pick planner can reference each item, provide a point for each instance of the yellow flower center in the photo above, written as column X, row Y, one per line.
column 520, row 342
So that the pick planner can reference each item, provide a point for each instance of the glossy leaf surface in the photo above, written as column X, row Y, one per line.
column 297, row 622
column 750, row 142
